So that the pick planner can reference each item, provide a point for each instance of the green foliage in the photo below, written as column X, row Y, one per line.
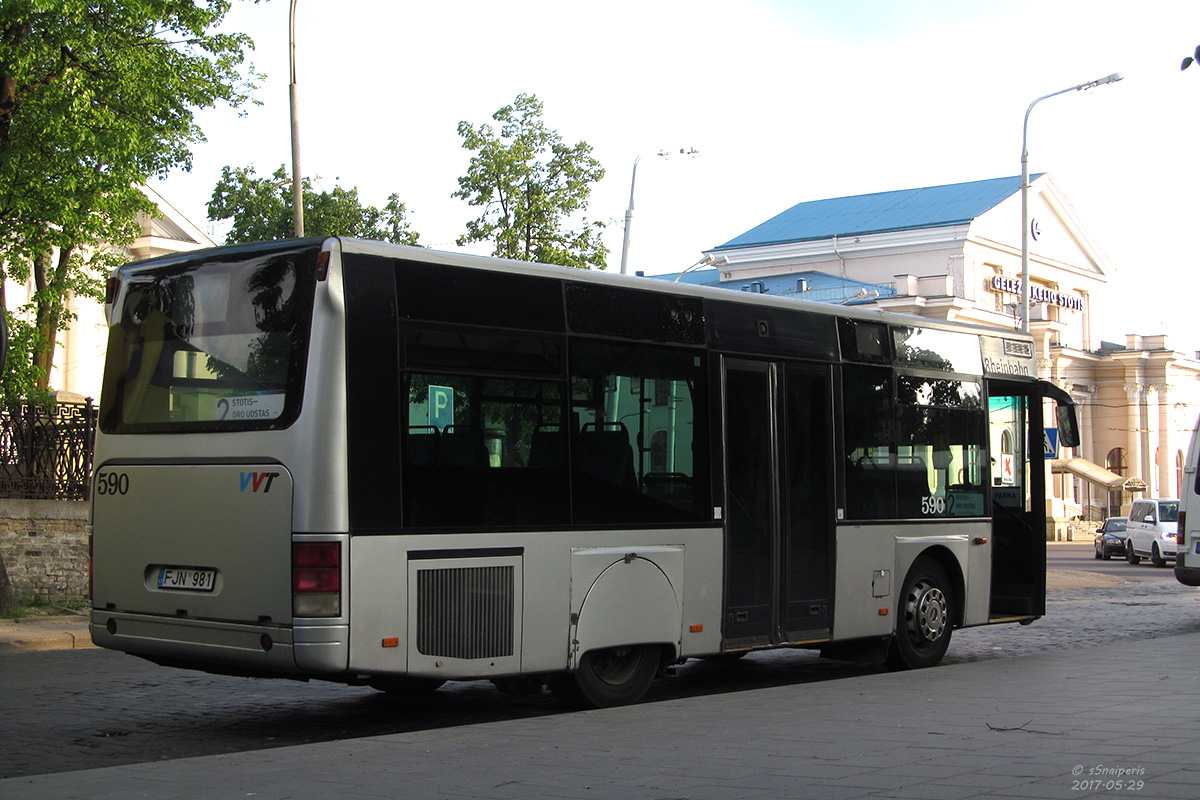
column 20, row 380
column 27, row 606
column 531, row 186
column 1189, row 60
column 96, row 96
column 261, row 210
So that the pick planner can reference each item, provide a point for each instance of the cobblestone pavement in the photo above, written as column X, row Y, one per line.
column 79, row 709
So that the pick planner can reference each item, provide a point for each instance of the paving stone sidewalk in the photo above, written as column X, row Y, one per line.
column 1009, row 727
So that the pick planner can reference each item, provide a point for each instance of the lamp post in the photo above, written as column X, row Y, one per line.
column 687, row 151
column 1116, row 76
column 297, row 183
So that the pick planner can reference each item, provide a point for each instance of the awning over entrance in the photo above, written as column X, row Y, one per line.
column 1094, row 473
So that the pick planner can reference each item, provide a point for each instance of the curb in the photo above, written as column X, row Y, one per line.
column 44, row 633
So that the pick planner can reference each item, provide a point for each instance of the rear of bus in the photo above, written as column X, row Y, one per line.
column 216, row 437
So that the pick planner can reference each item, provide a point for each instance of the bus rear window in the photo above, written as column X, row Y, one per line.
column 210, row 345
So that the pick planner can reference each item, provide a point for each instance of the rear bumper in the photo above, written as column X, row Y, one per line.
column 296, row 652
column 1188, row 576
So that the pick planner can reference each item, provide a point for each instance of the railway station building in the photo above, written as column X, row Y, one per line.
column 953, row 252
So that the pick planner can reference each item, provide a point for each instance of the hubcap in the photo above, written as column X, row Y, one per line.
column 616, row 665
column 926, row 611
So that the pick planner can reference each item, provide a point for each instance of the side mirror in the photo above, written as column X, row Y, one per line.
column 1068, row 425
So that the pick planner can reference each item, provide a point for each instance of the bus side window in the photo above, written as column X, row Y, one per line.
column 871, row 458
column 636, row 454
column 483, row 451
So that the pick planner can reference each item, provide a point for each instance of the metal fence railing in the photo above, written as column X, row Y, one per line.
column 46, row 453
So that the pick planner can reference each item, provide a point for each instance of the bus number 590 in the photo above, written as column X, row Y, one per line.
column 930, row 506
column 112, row 483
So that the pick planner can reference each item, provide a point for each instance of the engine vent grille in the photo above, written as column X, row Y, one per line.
column 465, row 612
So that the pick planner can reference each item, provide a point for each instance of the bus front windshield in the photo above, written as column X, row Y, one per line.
column 218, row 344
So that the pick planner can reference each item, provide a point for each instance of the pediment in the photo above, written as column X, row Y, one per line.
column 1058, row 238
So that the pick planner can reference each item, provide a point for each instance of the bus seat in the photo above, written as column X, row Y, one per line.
column 421, row 446
column 547, row 449
column 606, row 454
column 462, row 448
column 673, row 488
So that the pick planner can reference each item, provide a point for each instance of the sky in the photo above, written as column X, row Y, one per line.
column 785, row 100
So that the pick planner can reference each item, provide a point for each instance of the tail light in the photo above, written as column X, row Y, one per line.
column 317, row 579
column 112, row 288
column 91, row 565
column 1181, row 529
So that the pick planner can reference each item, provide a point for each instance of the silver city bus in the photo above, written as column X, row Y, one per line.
column 382, row 465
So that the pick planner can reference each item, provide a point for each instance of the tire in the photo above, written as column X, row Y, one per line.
column 1130, row 556
column 924, row 619
column 1156, row 557
column 1098, row 556
column 613, row 676
column 404, row 686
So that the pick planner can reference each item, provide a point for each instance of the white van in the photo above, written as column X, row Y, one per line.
column 1187, row 562
column 1151, row 530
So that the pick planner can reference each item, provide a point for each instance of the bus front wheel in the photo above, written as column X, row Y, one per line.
column 925, row 617
column 612, row 676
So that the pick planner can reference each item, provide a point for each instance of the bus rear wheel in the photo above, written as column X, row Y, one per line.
column 925, row 617
column 612, row 676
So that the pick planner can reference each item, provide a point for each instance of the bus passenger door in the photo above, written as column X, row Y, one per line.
column 1018, row 500
column 778, row 432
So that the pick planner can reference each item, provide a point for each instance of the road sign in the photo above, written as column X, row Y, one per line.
column 1050, row 442
column 441, row 406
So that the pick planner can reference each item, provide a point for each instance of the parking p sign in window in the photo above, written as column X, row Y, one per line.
column 441, row 406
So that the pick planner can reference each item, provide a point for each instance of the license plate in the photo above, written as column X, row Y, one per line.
column 187, row 580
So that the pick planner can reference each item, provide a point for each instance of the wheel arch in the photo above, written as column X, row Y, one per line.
column 631, row 602
column 952, row 565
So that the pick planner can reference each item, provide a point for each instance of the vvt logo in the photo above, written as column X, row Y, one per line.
column 258, row 480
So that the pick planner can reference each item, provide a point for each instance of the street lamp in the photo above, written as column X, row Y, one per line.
column 1116, row 76
column 297, row 183
column 686, row 151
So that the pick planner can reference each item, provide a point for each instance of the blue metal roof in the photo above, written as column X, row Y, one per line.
column 882, row 212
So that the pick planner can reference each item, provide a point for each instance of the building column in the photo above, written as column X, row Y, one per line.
column 1150, row 452
column 1166, row 458
column 1133, row 447
column 1097, row 498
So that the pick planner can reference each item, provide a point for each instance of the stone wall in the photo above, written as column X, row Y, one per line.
column 45, row 548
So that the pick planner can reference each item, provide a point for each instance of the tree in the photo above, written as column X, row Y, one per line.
column 95, row 97
column 261, row 209
column 531, row 187
column 1189, row 60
